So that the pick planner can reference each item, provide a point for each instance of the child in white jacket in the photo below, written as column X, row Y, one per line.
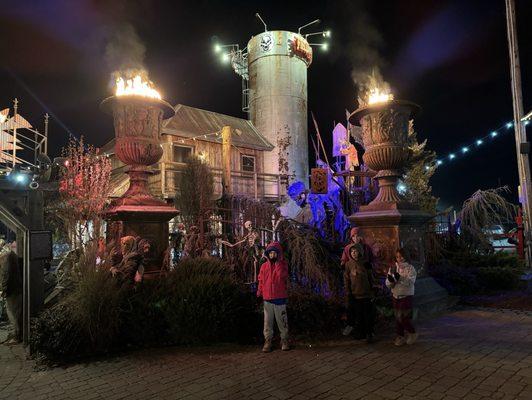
column 401, row 279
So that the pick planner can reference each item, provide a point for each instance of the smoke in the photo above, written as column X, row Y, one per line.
column 364, row 46
column 125, row 49
column 125, row 52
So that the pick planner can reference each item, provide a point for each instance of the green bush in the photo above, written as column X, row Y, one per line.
column 85, row 322
column 466, row 273
column 310, row 314
column 199, row 302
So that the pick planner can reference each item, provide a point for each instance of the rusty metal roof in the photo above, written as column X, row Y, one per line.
column 190, row 122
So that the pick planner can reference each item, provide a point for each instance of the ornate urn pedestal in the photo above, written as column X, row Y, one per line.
column 389, row 222
column 138, row 122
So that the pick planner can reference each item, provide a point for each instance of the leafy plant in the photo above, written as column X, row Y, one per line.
column 195, row 190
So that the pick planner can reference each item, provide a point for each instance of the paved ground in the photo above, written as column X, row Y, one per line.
column 467, row 354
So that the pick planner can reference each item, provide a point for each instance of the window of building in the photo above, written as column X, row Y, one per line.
column 181, row 153
column 248, row 163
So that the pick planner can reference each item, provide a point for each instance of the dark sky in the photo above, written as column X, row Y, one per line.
column 451, row 57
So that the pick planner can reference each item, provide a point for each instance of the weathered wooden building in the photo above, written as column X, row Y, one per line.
column 193, row 131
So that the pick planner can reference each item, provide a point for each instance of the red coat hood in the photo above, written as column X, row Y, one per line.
column 275, row 246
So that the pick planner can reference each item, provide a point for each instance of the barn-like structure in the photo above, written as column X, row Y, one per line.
column 196, row 132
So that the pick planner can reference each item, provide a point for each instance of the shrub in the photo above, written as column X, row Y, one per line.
column 467, row 273
column 311, row 314
column 85, row 322
column 199, row 302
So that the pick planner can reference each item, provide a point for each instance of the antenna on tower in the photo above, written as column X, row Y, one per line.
column 316, row 21
column 261, row 20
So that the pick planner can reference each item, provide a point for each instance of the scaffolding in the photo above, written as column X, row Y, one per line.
column 21, row 145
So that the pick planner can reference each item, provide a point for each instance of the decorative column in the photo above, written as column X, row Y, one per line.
column 138, row 122
column 389, row 222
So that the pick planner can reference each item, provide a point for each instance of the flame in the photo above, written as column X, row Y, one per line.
column 136, row 87
column 377, row 95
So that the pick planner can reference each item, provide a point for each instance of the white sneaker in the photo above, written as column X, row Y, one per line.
column 399, row 341
column 411, row 338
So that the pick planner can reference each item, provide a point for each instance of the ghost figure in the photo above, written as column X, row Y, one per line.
column 351, row 156
column 333, row 198
column 314, row 207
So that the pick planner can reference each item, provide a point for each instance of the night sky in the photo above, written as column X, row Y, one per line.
column 450, row 57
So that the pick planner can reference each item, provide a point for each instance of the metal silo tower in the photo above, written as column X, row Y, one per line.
column 273, row 67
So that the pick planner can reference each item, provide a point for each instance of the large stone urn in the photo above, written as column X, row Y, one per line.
column 138, row 123
column 389, row 222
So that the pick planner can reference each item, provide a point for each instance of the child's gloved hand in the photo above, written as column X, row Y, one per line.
column 390, row 278
column 396, row 276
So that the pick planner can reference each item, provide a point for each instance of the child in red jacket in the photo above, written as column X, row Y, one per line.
column 273, row 280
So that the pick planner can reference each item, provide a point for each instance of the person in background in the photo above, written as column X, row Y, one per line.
column 401, row 279
column 11, row 287
column 364, row 249
column 273, row 282
column 358, row 283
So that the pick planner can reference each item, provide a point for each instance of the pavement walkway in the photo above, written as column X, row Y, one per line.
column 465, row 354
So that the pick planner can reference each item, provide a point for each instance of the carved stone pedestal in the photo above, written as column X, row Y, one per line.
column 138, row 213
column 388, row 222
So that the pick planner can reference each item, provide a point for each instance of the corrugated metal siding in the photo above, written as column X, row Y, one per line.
column 192, row 122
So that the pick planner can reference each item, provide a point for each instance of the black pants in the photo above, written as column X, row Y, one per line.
column 362, row 315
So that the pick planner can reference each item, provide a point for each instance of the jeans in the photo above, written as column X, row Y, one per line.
column 277, row 312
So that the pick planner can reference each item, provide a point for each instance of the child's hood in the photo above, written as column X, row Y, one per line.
column 351, row 246
column 276, row 246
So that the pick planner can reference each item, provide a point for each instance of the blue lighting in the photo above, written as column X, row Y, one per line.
column 21, row 178
column 465, row 149
column 493, row 134
column 439, row 162
column 509, row 125
column 479, row 142
column 451, row 156
column 401, row 188
column 526, row 122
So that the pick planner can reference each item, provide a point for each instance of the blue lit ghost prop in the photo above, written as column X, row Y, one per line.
column 315, row 207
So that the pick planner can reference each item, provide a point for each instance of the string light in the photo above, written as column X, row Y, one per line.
column 478, row 142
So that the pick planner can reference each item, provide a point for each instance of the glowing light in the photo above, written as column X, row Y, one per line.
column 136, row 87
column 20, row 178
column 327, row 34
column 509, row 125
column 527, row 122
column 493, row 134
column 217, row 48
column 427, row 167
column 479, row 142
column 451, row 156
column 439, row 162
column 465, row 149
column 325, row 46
column 225, row 58
column 378, row 96
column 401, row 188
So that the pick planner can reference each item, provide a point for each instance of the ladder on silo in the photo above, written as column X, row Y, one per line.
column 245, row 95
